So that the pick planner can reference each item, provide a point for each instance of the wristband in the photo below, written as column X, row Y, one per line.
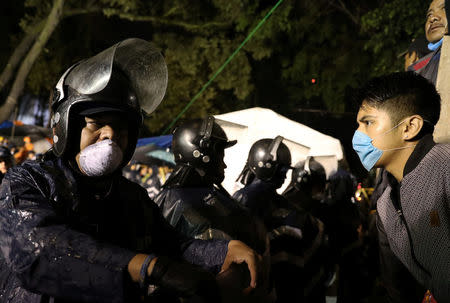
column 143, row 277
column 159, row 270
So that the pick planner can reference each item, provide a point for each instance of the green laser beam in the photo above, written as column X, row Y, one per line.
column 222, row 67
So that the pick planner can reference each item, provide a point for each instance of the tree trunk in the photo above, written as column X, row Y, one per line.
column 52, row 21
column 442, row 130
column 19, row 53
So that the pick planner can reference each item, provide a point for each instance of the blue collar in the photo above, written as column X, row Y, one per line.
column 434, row 46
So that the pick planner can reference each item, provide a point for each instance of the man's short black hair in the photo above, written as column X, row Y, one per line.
column 401, row 95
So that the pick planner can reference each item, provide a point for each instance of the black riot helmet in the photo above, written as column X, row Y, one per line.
column 197, row 142
column 5, row 155
column 267, row 156
column 129, row 77
column 308, row 173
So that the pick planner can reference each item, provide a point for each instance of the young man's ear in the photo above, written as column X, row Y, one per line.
column 413, row 126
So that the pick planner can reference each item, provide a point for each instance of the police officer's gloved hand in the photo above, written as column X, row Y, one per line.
column 185, row 279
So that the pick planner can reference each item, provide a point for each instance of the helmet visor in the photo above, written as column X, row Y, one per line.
column 142, row 63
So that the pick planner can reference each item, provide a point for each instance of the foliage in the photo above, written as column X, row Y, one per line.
column 391, row 27
column 340, row 43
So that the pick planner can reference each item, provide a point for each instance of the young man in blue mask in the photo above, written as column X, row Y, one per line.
column 396, row 119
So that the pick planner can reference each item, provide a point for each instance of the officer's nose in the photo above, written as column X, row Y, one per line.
column 433, row 18
column 108, row 132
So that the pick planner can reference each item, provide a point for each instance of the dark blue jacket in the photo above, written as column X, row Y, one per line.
column 261, row 198
column 297, row 242
column 205, row 212
column 60, row 240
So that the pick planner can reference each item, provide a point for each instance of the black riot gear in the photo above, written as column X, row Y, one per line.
column 308, row 173
column 130, row 77
column 193, row 201
column 5, row 154
column 197, row 142
column 266, row 156
column 7, row 158
column 296, row 238
column 265, row 159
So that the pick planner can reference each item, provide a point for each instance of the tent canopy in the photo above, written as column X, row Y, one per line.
column 161, row 141
column 249, row 125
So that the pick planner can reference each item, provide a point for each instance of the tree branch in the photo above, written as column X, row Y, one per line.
column 28, row 40
column 343, row 8
column 52, row 21
column 82, row 11
column 187, row 26
column 19, row 52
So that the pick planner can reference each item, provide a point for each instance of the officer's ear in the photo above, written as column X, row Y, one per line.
column 412, row 127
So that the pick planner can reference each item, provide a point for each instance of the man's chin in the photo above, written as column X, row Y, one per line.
column 435, row 37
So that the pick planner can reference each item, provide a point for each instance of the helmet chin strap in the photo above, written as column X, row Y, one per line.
column 200, row 171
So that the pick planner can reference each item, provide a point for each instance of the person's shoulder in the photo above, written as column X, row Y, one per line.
column 127, row 182
column 34, row 175
column 437, row 160
column 134, row 195
column 421, row 63
column 131, row 186
column 29, row 169
column 241, row 195
column 442, row 146
column 441, row 152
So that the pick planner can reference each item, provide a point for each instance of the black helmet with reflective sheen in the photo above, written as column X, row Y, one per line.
column 129, row 77
column 5, row 154
column 197, row 142
column 308, row 173
column 267, row 156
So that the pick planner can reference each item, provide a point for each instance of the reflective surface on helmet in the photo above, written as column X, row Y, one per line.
column 138, row 59
column 261, row 158
column 93, row 74
column 190, row 143
column 143, row 62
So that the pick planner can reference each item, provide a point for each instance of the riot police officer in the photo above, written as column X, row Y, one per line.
column 193, row 199
column 265, row 171
column 296, row 238
column 73, row 229
column 307, row 187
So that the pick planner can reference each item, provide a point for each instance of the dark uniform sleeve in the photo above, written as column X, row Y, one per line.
column 398, row 281
column 49, row 257
column 210, row 254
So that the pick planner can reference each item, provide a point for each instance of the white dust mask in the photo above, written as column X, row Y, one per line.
column 101, row 158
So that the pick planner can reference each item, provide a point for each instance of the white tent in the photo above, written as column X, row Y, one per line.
column 249, row 125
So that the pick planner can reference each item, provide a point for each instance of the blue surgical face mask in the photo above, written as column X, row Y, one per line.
column 369, row 154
